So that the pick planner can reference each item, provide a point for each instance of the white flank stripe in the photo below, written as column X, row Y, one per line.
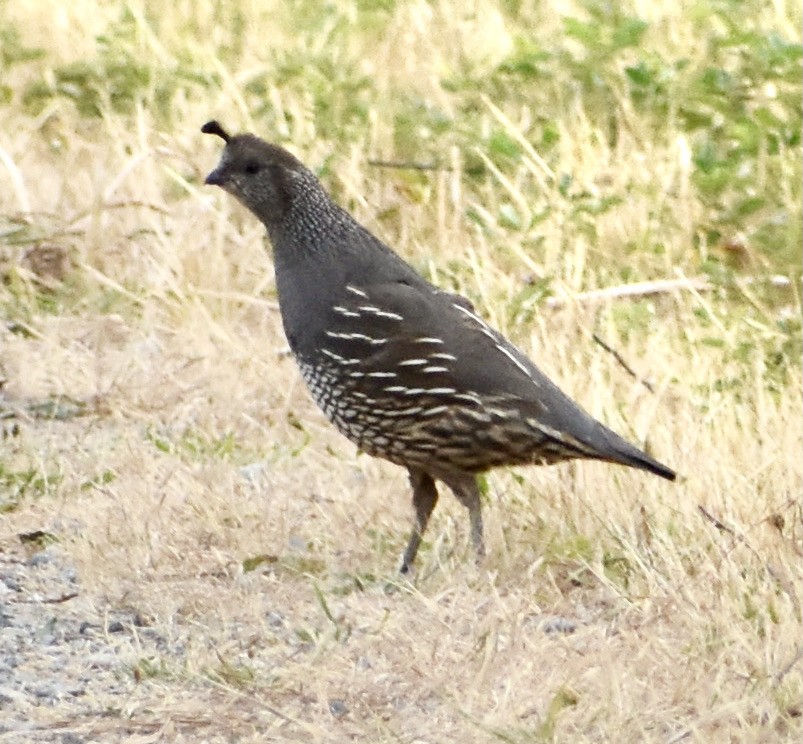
column 560, row 436
column 470, row 397
column 515, row 361
column 412, row 363
column 357, row 337
column 471, row 315
column 434, row 411
column 401, row 412
column 379, row 312
column 479, row 416
column 484, row 327
column 354, row 290
column 345, row 312
column 332, row 355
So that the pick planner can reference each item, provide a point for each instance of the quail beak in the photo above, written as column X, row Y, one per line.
column 216, row 178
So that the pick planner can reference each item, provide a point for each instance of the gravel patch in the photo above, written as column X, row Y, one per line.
column 61, row 658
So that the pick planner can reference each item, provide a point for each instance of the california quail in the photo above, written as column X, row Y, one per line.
column 406, row 371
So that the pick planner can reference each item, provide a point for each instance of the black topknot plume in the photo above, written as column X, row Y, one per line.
column 214, row 127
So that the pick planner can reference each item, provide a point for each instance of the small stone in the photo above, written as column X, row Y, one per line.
column 338, row 708
column 46, row 692
column 103, row 660
column 253, row 471
column 364, row 663
column 12, row 583
column 297, row 544
column 559, row 625
column 42, row 558
column 142, row 621
column 8, row 695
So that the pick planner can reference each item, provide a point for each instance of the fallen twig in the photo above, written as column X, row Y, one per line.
column 619, row 358
column 788, row 667
column 407, row 165
column 659, row 286
column 716, row 522
column 679, row 736
column 49, row 600
column 638, row 289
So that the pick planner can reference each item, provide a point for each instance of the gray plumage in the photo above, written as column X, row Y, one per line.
column 406, row 371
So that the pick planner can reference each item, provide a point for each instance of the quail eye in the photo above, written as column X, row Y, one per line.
column 251, row 167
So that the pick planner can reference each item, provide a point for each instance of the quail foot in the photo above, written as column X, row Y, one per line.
column 406, row 371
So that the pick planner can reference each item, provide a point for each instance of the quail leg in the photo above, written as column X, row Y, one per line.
column 465, row 488
column 425, row 496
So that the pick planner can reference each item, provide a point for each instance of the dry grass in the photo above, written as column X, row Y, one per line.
column 686, row 598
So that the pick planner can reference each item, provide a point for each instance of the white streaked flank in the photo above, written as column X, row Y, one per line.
column 334, row 356
column 357, row 337
column 484, row 327
column 402, row 412
column 517, row 362
column 560, row 436
column 437, row 410
column 379, row 312
column 355, row 290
